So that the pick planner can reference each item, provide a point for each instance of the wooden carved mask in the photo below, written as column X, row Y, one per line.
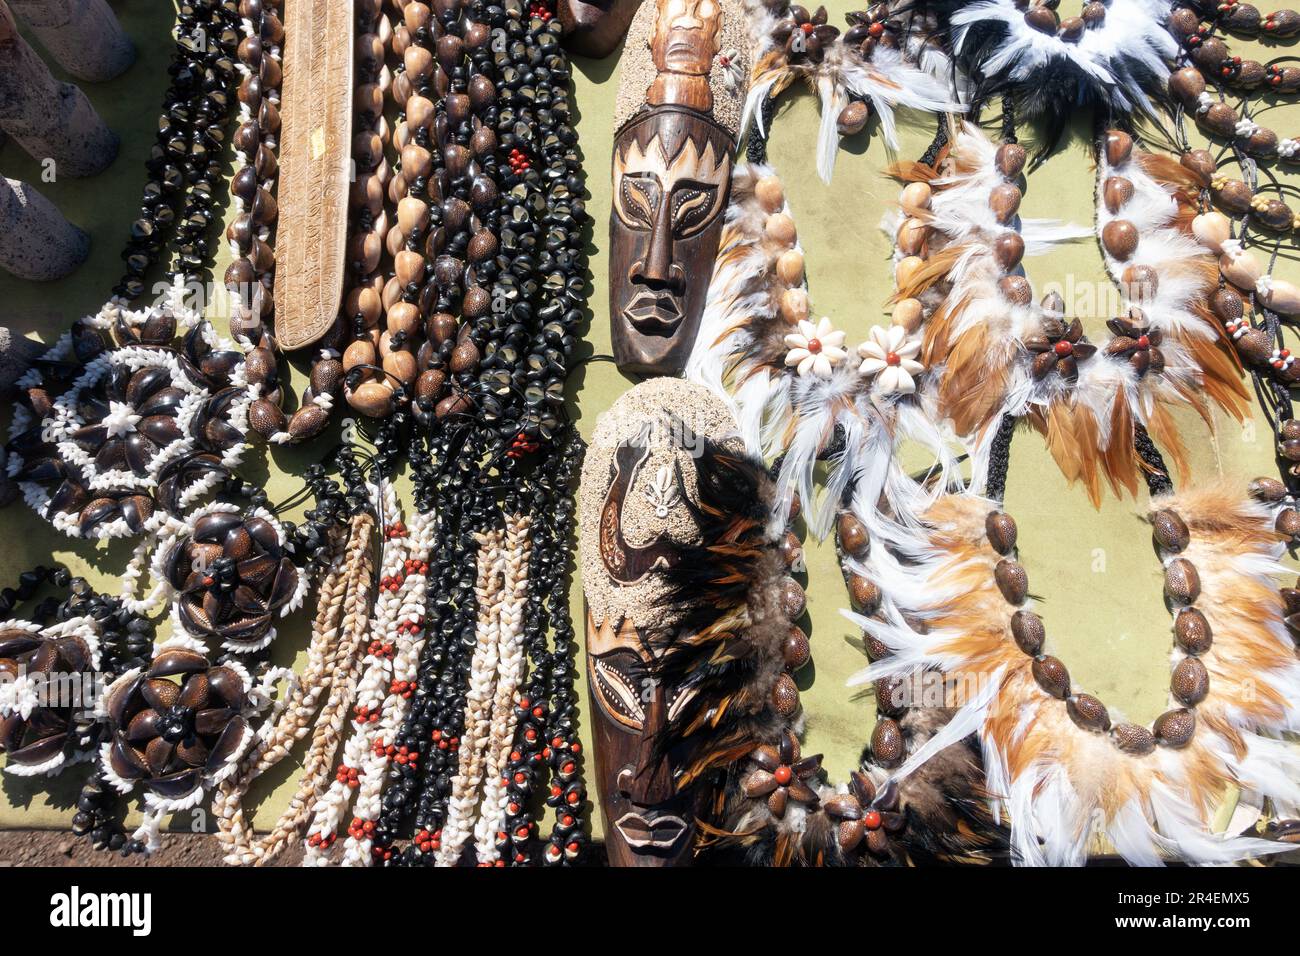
column 636, row 513
column 672, row 173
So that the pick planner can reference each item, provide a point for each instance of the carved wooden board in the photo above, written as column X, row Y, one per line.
column 315, row 169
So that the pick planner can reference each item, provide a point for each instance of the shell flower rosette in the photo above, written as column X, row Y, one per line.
column 177, row 727
column 814, row 350
column 231, row 577
column 93, row 462
column 889, row 361
column 47, row 688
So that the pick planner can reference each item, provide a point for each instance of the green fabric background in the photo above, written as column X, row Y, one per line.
column 1094, row 569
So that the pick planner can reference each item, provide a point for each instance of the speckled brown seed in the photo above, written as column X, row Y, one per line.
column 1008, row 250
column 853, row 535
column 1016, row 290
column 790, row 549
column 785, row 696
column 1201, row 163
column 1028, row 631
column 1169, row 531
column 1115, row 192
column 1119, row 146
column 1000, row 528
column 1012, row 581
column 1288, row 522
column 1004, row 200
column 1182, row 582
column 1088, row 712
column 1174, row 728
column 792, row 598
column 891, row 696
column 795, row 650
column 1052, row 676
column 1192, row 631
column 864, row 593
column 1120, row 238
column 1267, row 489
column 1010, row 159
column 307, row 421
column 887, row 742
column 266, row 418
column 1190, row 682
column 1132, row 739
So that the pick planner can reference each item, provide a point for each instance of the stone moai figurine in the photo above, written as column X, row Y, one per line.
column 49, row 119
column 82, row 35
column 36, row 242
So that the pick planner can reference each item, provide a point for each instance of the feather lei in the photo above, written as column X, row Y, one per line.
column 886, row 77
column 1056, row 777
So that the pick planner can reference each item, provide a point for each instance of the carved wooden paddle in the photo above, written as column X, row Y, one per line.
column 315, row 169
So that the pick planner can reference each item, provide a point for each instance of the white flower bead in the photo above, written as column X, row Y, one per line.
column 889, row 358
column 815, row 349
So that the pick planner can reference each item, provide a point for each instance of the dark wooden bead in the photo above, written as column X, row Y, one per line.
column 1052, row 676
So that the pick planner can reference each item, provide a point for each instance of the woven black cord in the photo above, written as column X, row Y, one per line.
column 1156, row 472
column 756, row 148
column 1008, row 120
column 931, row 156
column 1000, row 459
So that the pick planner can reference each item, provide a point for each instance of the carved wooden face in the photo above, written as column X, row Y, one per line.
column 686, row 35
column 648, row 821
column 672, row 176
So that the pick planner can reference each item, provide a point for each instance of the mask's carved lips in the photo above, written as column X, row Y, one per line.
column 654, row 313
column 656, row 831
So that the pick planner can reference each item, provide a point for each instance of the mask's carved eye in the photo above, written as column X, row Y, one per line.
column 694, row 206
column 618, row 682
column 639, row 196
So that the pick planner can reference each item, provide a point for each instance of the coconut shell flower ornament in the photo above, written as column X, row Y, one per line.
column 232, row 578
column 176, row 727
column 43, row 726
